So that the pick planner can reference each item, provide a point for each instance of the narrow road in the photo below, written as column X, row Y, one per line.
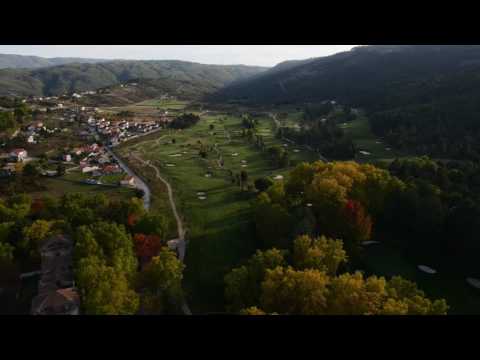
column 140, row 184
column 178, row 243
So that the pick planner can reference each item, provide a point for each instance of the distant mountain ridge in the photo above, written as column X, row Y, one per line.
column 361, row 76
column 11, row 61
column 199, row 79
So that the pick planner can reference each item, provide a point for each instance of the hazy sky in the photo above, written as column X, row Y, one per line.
column 263, row 55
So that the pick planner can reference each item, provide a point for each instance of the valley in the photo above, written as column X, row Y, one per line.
column 339, row 185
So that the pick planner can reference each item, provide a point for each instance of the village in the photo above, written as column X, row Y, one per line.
column 88, row 162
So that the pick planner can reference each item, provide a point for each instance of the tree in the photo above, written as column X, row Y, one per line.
column 243, row 284
column 147, row 246
column 86, row 245
column 61, row 169
column 30, row 171
column 243, row 178
column 322, row 254
column 291, row 292
column 162, row 279
column 273, row 223
column 358, row 225
column 152, row 224
column 117, row 246
column 253, row 311
column 104, row 291
column 34, row 235
column 262, row 184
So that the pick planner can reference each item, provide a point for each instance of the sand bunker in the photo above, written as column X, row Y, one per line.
column 235, row 154
column 309, row 205
column 244, row 166
column 278, row 177
column 427, row 270
column 365, row 153
column 296, row 151
column 176, row 155
column 474, row 282
column 208, row 175
column 367, row 243
column 202, row 198
column 171, row 165
column 201, row 193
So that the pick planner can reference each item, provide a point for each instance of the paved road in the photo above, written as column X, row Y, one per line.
column 140, row 184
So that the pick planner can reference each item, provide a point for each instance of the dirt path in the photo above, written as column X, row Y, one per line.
column 179, row 243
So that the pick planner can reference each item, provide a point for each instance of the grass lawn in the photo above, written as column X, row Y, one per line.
column 365, row 140
column 57, row 187
column 165, row 104
column 150, row 107
column 462, row 299
column 220, row 228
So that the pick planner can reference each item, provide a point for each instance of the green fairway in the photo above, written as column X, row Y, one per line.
column 365, row 140
column 217, row 213
column 382, row 260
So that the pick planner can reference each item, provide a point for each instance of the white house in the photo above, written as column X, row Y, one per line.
column 88, row 169
column 128, row 181
column 18, row 155
column 31, row 140
column 67, row 157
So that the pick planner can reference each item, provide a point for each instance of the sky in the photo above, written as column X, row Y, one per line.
column 260, row 55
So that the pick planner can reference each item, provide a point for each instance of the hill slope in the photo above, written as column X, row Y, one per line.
column 175, row 75
column 360, row 76
column 423, row 99
column 10, row 61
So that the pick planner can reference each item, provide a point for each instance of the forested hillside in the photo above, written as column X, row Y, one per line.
column 423, row 99
column 174, row 75
column 11, row 61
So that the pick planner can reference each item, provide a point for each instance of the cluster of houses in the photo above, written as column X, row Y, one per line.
column 57, row 294
column 97, row 162
column 118, row 131
column 10, row 160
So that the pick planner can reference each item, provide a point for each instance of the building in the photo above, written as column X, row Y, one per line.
column 67, row 157
column 59, row 302
column 18, row 155
column 56, row 289
column 31, row 139
column 87, row 169
column 128, row 181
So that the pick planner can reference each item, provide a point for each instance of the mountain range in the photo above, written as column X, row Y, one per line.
column 11, row 61
column 180, row 77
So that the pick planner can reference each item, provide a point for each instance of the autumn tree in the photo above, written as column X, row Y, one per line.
column 291, row 292
column 322, row 254
column 161, row 281
column 243, row 284
column 147, row 246
column 104, row 290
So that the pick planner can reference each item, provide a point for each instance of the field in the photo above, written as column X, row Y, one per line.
column 462, row 299
column 359, row 131
column 150, row 107
column 59, row 186
column 220, row 230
